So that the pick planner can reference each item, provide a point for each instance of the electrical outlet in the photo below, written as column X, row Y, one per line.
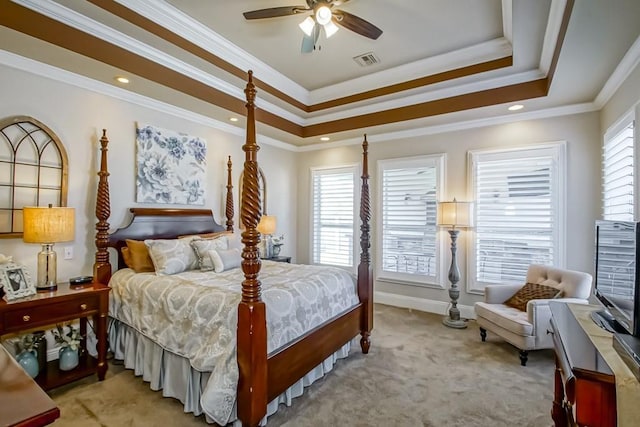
column 68, row 252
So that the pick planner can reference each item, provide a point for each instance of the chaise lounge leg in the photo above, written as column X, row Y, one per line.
column 483, row 334
column 524, row 356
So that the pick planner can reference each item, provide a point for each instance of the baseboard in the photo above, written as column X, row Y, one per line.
column 422, row 304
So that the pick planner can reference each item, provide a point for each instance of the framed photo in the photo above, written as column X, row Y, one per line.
column 16, row 281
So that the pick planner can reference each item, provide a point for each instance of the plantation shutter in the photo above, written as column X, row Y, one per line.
column 333, row 216
column 409, row 221
column 617, row 171
column 409, row 194
column 517, row 196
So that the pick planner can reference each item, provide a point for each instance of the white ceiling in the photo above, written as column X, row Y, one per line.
column 420, row 38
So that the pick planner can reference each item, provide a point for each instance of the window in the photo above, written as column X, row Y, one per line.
column 409, row 191
column 333, row 215
column 33, row 171
column 519, row 212
column 617, row 172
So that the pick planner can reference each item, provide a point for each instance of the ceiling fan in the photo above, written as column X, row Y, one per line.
column 323, row 16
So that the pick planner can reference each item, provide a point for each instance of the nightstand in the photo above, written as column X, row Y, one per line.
column 279, row 259
column 49, row 308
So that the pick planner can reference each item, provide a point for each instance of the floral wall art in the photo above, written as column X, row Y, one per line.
column 170, row 166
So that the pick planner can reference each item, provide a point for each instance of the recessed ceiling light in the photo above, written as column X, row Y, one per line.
column 123, row 80
column 233, row 119
column 516, row 107
column 325, row 138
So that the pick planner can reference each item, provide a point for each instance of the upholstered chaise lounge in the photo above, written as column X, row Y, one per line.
column 527, row 330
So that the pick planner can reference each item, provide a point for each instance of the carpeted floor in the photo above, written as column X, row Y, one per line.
column 418, row 373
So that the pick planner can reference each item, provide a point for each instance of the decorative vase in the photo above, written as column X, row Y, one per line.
column 68, row 358
column 29, row 362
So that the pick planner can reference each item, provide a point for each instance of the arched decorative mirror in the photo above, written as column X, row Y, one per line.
column 33, row 171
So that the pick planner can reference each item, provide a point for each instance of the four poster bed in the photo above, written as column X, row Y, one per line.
column 231, row 344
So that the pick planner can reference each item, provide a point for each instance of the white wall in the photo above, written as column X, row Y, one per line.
column 78, row 116
column 581, row 132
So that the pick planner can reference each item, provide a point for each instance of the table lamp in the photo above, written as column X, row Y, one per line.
column 47, row 225
column 454, row 214
column 266, row 227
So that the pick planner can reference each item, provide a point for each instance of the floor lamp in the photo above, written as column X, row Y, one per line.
column 454, row 214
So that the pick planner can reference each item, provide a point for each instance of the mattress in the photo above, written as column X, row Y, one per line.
column 194, row 315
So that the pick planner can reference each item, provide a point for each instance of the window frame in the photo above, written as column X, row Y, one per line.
column 356, row 169
column 557, row 150
column 437, row 281
column 612, row 132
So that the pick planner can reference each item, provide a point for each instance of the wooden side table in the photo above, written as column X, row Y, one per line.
column 66, row 303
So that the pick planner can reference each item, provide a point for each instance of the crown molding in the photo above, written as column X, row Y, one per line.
column 507, row 20
column 458, row 126
column 31, row 66
column 554, row 24
column 21, row 63
column 629, row 62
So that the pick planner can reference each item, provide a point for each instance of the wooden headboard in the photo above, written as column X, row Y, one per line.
column 161, row 223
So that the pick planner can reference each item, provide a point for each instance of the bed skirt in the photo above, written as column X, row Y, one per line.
column 173, row 374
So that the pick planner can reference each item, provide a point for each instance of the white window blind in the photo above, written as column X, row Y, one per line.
column 518, row 213
column 408, row 197
column 617, row 172
column 333, row 216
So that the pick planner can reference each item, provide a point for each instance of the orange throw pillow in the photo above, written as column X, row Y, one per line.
column 529, row 292
column 136, row 256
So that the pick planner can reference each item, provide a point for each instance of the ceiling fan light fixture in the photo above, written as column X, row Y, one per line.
column 330, row 29
column 307, row 25
column 323, row 15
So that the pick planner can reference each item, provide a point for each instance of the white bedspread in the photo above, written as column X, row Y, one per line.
column 194, row 315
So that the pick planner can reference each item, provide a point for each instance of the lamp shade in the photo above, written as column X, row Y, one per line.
column 455, row 214
column 267, row 224
column 48, row 224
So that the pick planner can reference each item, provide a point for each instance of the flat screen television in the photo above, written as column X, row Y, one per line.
column 617, row 281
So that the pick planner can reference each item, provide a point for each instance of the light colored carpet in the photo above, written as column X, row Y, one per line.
column 418, row 373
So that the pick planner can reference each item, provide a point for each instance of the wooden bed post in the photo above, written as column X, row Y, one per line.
column 365, row 276
column 229, row 211
column 102, row 266
column 252, row 327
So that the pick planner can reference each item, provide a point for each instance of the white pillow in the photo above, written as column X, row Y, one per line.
column 171, row 256
column 225, row 259
column 202, row 248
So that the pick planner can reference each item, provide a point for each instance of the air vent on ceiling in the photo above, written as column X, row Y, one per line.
column 366, row 59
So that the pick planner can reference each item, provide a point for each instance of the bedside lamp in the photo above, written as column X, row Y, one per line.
column 266, row 227
column 454, row 214
column 47, row 226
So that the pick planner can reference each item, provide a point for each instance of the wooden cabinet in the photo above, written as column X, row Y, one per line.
column 49, row 308
column 584, row 389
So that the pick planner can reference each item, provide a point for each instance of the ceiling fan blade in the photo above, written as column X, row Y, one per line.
column 356, row 24
column 273, row 12
column 309, row 42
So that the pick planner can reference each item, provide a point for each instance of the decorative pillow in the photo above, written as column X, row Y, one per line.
column 136, row 256
column 235, row 241
column 202, row 246
column 532, row 291
column 225, row 259
column 172, row 256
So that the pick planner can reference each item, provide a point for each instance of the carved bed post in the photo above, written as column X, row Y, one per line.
column 229, row 211
column 365, row 276
column 102, row 266
column 252, row 329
